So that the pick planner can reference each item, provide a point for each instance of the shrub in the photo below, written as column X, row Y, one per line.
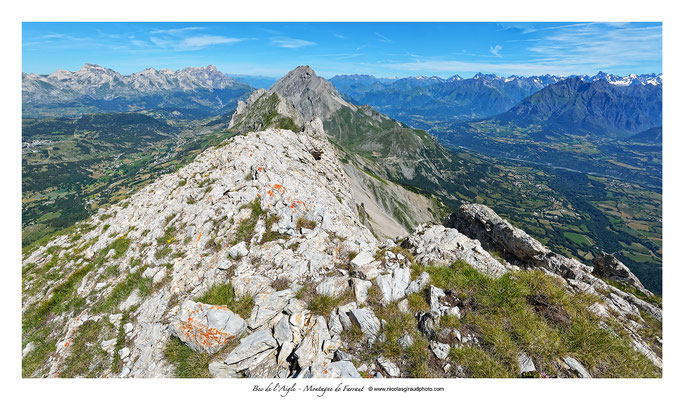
column 305, row 223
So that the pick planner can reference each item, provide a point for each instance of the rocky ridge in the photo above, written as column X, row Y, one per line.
column 388, row 209
column 269, row 217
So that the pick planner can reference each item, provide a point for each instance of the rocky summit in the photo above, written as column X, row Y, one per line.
column 269, row 256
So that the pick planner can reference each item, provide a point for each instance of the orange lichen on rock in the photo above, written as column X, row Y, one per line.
column 197, row 331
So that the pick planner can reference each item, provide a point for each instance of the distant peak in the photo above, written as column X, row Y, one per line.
column 302, row 70
column 480, row 75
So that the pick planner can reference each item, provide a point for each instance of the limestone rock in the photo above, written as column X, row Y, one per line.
column 238, row 251
column 442, row 246
column 342, row 369
column 366, row 320
column 406, row 341
column 393, row 286
column 267, row 306
column 251, row 350
column 575, row 367
column 29, row 348
column 389, row 367
column 608, row 266
column 525, row 363
column 419, row 284
column 361, row 288
column 441, row 350
column 482, row 223
column 403, row 306
column 310, row 351
column 435, row 294
column 205, row 327
column 219, row 369
column 333, row 287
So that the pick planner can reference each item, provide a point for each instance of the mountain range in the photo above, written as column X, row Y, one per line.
column 201, row 91
column 589, row 107
column 423, row 100
column 273, row 255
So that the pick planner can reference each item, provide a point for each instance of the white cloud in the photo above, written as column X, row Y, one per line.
column 290, row 43
column 190, row 43
column 199, row 42
column 176, row 31
column 563, row 50
column 601, row 45
column 383, row 38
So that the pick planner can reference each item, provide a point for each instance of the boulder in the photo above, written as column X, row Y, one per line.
column 608, row 266
column 419, row 283
column 342, row 369
column 251, row 350
column 267, row 306
column 435, row 294
column 310, row 351
column 389, row 367
column 525, row 364
column 333, row 287
column 238, row 251
column 406, row 341
column 206, row 327
column 361, row 288
column 576, row 368
column 219, row 369
column 282, row 331
column 393, row 286
column 403, row 306
column 342, row 356
column 30, row 346
column 362, row 259
column 441, row 350
column 367, row 321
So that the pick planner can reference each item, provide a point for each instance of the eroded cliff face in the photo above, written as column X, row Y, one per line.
column 255, row 260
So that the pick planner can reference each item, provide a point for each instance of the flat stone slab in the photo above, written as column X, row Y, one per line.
column 206, row 327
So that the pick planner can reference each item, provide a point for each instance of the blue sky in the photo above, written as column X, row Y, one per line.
column 382, row 49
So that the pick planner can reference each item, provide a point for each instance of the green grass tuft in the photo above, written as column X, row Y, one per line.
column 223, row 294
column 187, row 363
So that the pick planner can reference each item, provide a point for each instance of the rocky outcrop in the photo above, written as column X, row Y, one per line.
column 439, row 245
column 262, row 110
column 482, row 223
column 608, row 266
